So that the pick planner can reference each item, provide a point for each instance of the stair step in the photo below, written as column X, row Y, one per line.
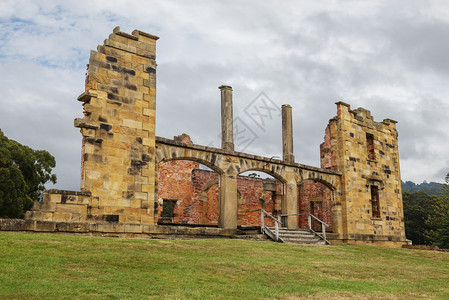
column 299, row 236
column 293, row 231
column 308, row 242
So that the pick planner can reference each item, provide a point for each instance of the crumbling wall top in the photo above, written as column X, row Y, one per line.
column 139, row 42
column 362, row 115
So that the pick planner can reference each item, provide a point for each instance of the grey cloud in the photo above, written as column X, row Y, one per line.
column 309, row 55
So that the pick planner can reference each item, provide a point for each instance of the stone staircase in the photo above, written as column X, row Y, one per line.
column 299, row 236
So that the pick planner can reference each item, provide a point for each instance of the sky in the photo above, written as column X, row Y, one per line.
column 390, row 57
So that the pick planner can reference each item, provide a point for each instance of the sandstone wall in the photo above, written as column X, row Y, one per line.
column 118, row 130
column 315, row 198
column 366, row 166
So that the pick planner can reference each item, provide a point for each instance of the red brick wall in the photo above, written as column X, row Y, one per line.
column 205, row 184
column 175, row 183
column 252, row 196
column 196, row 193
column 317, row 197
column 327, row 160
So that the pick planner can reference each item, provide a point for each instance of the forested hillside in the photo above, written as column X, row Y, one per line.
column 432, row 188
column 426, row 213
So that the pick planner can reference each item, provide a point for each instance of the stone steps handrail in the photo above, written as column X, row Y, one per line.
column 310, row 216
column 265, row 229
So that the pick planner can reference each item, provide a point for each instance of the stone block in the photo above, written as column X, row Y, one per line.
column 133, row 228
column 62, row 217
column 71, row 208
column 15, row 224
column 136, row 203
column 110, row 227
column 45, row 206
column 140, row 196
column 132, row 219
column 45, row 226
column 72, row 227
column 123, row 203
column 55, row 198
column 34, row 215
column 47, row 216
column 147, row 220
column 132, row 123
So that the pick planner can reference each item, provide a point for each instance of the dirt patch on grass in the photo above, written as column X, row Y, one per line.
column 348, row 296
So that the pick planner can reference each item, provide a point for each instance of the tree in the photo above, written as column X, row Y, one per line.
column 446, row 186
column 424, row 216
column 443, row 233
column 23, row 174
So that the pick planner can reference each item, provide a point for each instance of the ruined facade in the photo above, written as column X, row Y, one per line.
column 366, row 152
column 189, row 195
column 358, row 184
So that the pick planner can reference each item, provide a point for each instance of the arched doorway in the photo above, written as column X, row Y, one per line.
column 314, row 197
column 258, row 190
column 187, row 194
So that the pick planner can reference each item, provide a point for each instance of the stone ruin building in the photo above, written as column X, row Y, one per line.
column 126, row 189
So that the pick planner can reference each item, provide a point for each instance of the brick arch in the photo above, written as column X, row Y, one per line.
column 275, row 175
column 167, row 150
column 207, row 163
column 320, row 180
column 328, row 180
column 213, row 182
column 210, row 184
column 274, row 169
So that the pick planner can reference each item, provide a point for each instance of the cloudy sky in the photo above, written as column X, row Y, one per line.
column 390, row 57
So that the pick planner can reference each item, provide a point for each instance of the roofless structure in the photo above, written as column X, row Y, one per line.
column 121, row 154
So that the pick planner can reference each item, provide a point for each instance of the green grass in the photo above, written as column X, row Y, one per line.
column 50, row 266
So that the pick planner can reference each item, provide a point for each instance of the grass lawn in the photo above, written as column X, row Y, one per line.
column 56, row 266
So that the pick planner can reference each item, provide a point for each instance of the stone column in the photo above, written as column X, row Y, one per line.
column 291, row 200
column 338, row 228
column 287, row 134
column 228, row 202
column 227, row 128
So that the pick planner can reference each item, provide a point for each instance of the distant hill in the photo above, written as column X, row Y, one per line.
column 432, row 188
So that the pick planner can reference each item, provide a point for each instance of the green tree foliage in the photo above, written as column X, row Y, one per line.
column 432, row 188
column 443, row 233
column 446, row 186
column 23, row 173
column 424, row 216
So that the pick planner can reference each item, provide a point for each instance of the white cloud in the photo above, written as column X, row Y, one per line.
column 387, row 56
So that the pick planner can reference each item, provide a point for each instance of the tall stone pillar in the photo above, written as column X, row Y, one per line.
column 291, row 200
column 227, row 127
column 228, row 202
column 118, row 129
column 287, row 134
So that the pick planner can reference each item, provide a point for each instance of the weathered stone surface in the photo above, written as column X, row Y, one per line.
column 121, row 155
column 287, row 134
column 366, row 152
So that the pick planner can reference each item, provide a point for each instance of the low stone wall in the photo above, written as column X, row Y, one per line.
column 368, row 239
column 115, row 229
column 61, row 206
column 71, row 212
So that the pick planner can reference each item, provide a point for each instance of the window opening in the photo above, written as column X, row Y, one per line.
column 168, row 209
column 370, row 146
column 375, row 207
